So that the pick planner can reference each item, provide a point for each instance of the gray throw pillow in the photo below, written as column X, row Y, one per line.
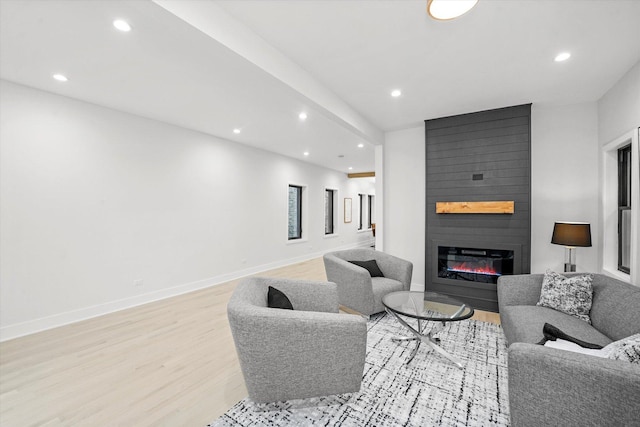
column 570, row 295
column 625, row 349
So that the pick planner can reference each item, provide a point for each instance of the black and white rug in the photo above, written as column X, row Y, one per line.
column 430, row 391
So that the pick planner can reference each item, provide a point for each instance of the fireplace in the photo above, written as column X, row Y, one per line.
column 474, row 264
column 478, row 195
column 469, row 269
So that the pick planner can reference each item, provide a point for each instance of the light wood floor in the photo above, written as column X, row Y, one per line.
column 167, row 363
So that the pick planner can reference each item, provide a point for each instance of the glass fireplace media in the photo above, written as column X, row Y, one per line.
column 474, row 265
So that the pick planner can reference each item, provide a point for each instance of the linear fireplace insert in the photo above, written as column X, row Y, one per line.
column 474, row 264
column 469, row 270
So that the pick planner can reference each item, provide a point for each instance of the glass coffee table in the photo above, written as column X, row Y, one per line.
column 429, row 307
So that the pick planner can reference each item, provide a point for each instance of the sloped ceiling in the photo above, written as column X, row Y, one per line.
column 213, row 66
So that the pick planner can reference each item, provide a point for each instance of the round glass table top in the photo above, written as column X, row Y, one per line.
column 427, row 306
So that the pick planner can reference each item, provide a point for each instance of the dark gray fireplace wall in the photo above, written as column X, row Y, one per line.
column 483, row 156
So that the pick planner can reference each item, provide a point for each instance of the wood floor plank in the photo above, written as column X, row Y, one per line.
column 171, row 362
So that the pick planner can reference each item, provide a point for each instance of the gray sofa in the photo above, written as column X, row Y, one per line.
column 549, row 387
column 359, row 291
column 294, row 354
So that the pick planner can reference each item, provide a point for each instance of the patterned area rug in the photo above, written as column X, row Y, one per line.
column 430, row 391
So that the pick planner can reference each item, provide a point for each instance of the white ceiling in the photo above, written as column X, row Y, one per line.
column 213, row 66
column 499, row 54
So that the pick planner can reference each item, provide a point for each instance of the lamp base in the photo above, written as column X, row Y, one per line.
column 569, row 259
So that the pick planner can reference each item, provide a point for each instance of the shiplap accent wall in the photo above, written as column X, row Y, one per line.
column 483, row 156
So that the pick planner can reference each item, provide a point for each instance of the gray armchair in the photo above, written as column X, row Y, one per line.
column 359, row 291
column 294, row 354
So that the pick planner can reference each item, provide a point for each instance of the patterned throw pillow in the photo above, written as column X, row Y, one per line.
column 570, row 295
column 625, row 349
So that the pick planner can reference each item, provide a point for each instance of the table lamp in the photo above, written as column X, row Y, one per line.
column 571, row 235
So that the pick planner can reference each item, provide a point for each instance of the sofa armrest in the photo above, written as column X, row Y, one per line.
column 519, row 289
column 548, row 386
column 395, row 268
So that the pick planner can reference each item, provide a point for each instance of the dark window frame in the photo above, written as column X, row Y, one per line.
column 329, row 213
column 624, row 198
column 370, row 207
column 361, row 213
column 298, row 235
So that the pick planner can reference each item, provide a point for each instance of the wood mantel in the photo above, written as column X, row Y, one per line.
column 362, row 175
column 493, row 207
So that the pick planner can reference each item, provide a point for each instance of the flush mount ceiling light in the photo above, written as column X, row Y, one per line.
column 122, row 25
column 60, row 77
column 236, row 131
column 302, row 116
column 562, row 56
column 396, row 93
column 444, row 10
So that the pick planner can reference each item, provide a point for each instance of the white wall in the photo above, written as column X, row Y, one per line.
column 94, row 199
column 564, row 186
column 619, row 108
column 618, row 123
column 564, row 181
column 380, row 204
column 404, row 198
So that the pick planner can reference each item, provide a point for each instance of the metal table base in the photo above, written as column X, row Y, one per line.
column 421, row 338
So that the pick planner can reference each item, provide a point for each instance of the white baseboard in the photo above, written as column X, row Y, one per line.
column 417, row 287
column 38, row 325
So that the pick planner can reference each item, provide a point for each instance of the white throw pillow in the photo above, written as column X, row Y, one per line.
column 570, row 346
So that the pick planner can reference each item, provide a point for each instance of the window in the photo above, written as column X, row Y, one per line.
column 624, row 209
column 295, row 212
column 361, row 213
column 371, row 208
column 620, row 201
column 329, row 211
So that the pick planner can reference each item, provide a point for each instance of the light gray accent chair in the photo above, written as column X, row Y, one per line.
column 359, row 291
column 548, row 386
column 309, row 351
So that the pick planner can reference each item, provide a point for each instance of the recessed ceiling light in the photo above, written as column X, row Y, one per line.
column 236, row 131
column 60, row 77
column 360, row 145
column 444, row 10
column 396, row 93
column 122, row 25
column 302, row 116
column 306, row 153
column 562, row 56
column 350, row 168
